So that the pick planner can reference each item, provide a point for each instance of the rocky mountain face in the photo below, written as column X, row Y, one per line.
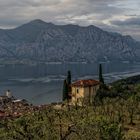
column 46, row 42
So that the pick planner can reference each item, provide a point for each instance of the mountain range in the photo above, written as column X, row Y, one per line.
column 39, row 41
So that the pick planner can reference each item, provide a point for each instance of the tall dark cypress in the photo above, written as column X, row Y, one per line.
column 65, row 90
column 69, row 78
column 69, row 84
column 101, row 79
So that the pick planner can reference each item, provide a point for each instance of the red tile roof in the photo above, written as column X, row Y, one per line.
column 2, row 113
column 85, row 83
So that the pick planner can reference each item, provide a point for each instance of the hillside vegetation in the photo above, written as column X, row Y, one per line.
column 111, row 119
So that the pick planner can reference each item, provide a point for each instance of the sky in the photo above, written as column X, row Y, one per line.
column 121, row 16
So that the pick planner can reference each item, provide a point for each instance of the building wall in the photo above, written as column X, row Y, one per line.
column 77, row 93
column 83, row 94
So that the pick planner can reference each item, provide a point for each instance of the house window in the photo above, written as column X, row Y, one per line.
column 77, row 90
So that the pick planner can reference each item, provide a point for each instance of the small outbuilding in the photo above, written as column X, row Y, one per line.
column 84, row 91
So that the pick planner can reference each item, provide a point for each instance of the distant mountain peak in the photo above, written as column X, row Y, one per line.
column 39, row 21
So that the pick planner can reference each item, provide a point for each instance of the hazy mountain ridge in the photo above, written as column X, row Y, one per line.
column 41, row 41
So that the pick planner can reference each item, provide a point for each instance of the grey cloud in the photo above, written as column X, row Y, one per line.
column 127, row 22
column 31, row 9
column 22, row 3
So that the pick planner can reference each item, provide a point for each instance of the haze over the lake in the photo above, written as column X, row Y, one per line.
column 121, row 16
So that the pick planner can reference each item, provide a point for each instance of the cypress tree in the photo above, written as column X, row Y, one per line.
column 69, row 84
column 65, row 90
column 69, row 78
column 101, row 79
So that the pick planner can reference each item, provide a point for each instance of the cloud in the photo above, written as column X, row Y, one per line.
column 128, row 22
column 34, row 3
column 106, row 14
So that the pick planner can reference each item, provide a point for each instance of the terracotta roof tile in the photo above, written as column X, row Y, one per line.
column 2, row 113
column 85, row 83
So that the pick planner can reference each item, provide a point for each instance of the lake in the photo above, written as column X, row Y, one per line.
column 42, row 83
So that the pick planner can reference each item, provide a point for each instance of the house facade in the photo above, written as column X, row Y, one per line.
column 84, row 91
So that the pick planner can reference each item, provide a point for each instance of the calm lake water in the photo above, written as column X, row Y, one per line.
column 41, row 84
